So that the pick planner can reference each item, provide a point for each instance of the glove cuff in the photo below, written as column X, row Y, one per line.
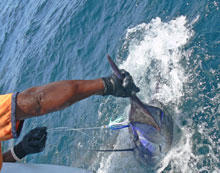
column 108, row 86
column 18, row 151
column 14, row 155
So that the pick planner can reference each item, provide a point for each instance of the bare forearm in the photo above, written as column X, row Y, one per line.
column 7, row 157
column 55, row 96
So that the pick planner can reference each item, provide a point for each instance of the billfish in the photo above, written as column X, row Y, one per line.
column 150, row 127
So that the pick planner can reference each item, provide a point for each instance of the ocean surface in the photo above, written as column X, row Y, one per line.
column 174, row 43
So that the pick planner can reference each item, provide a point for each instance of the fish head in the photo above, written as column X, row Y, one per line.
column 151, row 143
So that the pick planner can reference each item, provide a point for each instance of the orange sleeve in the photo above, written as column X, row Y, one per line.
column 8, row 124
column 9, row 127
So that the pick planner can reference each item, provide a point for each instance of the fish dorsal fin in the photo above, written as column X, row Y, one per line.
column 141, row 114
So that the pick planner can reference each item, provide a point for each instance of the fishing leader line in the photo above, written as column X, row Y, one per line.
column 112, row 126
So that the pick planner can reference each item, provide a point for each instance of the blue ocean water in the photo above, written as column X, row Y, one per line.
column 174, row 42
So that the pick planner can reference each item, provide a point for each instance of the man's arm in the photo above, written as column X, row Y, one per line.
column 55, row 96
column 59, row 95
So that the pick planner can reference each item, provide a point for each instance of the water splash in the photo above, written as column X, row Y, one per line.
column 155, row 57
column 154, row 51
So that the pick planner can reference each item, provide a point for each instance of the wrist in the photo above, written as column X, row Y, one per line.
column 108, row 87
column 18, row 151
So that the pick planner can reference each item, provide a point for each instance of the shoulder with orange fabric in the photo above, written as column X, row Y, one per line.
column 9, row 127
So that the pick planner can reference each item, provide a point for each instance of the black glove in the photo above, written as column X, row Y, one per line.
column 33, row 142
column 120, row 88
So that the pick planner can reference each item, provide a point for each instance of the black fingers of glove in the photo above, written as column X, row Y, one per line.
column 118, row 87
column 129, row 85
column 35, row 140
column 32, row 142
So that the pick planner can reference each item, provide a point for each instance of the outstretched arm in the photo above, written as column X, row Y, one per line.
column 55, row 96
column 59, row 95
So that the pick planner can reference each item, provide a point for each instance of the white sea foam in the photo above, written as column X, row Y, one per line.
column 154, row 54
column 180, row 156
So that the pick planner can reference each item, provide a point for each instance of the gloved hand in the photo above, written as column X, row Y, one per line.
column 120, row 88
column 32, row 142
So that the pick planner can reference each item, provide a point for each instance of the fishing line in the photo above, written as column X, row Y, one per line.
column 75, row 129
column 112, row 126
